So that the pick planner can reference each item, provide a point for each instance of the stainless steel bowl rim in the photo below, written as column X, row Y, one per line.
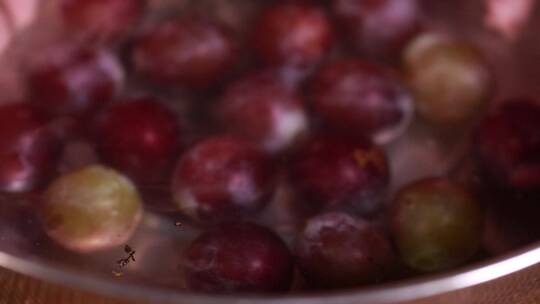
column 387, row 293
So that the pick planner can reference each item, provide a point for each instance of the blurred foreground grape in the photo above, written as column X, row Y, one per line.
column 436, row 225
column 93, row 208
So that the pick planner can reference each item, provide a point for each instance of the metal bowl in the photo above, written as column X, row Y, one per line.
column 514, row 278
column 510, row 279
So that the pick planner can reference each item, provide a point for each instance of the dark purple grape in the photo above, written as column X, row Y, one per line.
column 508, row 145
column 333, row 172
column 336, row 250
column 238, row 257
column 511, row 222
column 377, row 28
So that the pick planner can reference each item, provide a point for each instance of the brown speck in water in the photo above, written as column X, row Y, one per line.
column 372, row 156
column 128, row 249
column 54, row 221
column 117, row 274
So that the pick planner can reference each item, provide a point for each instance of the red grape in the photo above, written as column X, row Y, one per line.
column 221, row 178
column 292, row 34
column 101, row 19
column 187, row 52
column 28, row 147
column 358, row 97
column 140, row 137
column 263, row 109
column 75, row 80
